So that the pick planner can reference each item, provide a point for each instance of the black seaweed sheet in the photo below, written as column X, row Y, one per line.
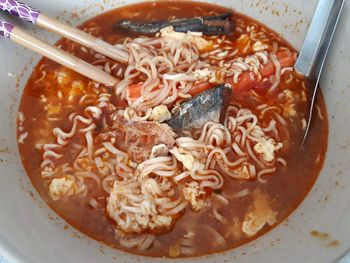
column 210, row 105
column 208, row 25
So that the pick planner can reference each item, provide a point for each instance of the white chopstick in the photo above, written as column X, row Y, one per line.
column 17, row 35
column 82, row 38
column 35, row 16
column 62, row 57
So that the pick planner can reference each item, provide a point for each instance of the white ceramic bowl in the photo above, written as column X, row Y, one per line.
column 31, row 232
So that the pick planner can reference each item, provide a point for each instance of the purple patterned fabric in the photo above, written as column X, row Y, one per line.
column 5, row 28
column 19, row 9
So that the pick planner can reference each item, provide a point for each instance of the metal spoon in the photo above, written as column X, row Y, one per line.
column 315, row 47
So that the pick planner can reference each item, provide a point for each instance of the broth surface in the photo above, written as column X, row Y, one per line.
column 50, row 96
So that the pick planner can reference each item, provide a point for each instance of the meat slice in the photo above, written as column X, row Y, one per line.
column 138, row 138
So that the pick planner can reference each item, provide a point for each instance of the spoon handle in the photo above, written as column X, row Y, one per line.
column 314, row 51
column 318, row 39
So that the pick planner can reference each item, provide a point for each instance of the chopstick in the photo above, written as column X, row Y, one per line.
column 17, row 35
column 83, row 38
column 35, row 16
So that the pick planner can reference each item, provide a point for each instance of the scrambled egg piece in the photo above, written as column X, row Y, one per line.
column 153, row 221
column 259, row 214
column 194, row 37
column 234, row 230
column 77, row 89
column 159, row 150
column 53, row 109
column 289, row 108
column 187, row 159
column 267, row 148
column 201, row 43
column 289, row 95
column 174, row 251
column 243, row 172
column 63, row 187
column 160, row 114
column 160, row 221
column 203, row 73
column 47, row 172
column 192, row 193
column 63, row 77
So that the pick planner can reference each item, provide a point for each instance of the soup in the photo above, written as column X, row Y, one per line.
column 196, row 150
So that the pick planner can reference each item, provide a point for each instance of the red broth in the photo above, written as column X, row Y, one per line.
column 50, row 96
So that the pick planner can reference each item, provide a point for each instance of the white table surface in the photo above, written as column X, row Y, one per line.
column 346, row 259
